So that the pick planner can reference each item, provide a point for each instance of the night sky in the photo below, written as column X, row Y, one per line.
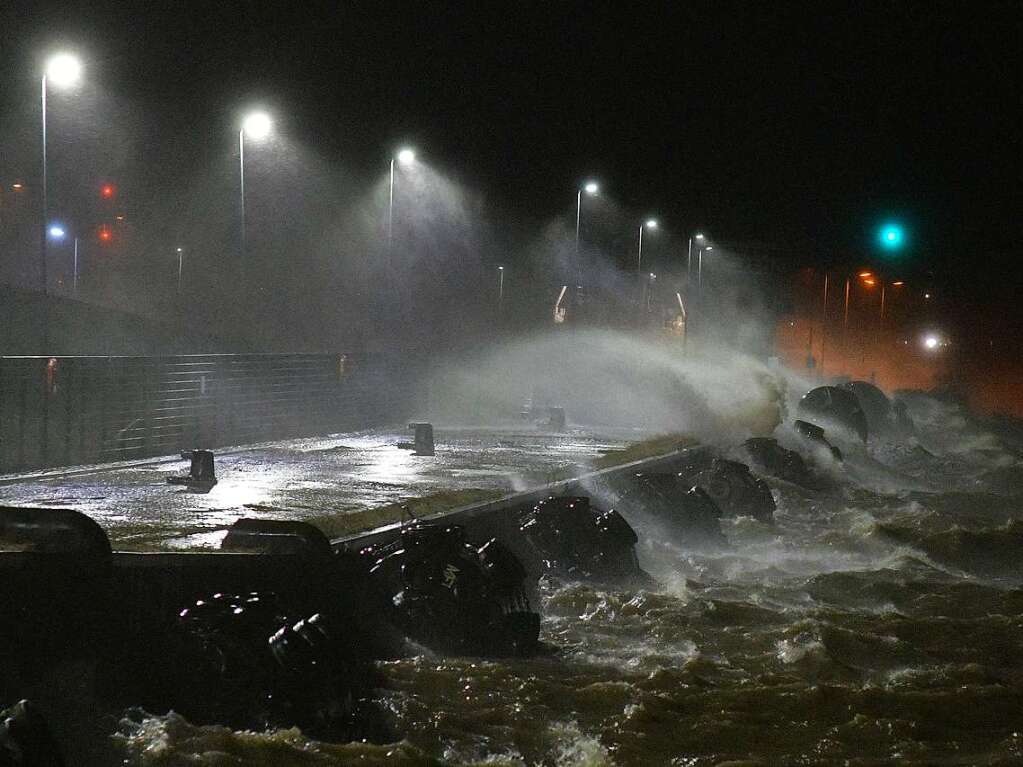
column 794, row 126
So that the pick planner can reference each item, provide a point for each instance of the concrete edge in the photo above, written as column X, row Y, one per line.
column 473, row 512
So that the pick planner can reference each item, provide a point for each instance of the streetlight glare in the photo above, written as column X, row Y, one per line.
column 931, row 342
column 63, row 70
column 651, row 223
column 257, row 125
column 406, row 157
column 591, row 187
column 699, row 236
column 56, row 232
column 709, row 248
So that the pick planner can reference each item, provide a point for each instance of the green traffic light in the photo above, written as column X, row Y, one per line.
column 891, row 236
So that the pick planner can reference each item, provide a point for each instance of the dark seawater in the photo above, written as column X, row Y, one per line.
column 877, row 623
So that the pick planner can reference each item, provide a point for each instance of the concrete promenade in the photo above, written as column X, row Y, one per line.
column 307, row 478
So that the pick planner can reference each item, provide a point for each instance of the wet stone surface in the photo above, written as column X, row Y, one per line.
column 306, row 478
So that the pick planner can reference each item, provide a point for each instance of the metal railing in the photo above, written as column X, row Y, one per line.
column 60, row 411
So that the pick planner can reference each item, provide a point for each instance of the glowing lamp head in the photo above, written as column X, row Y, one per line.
column 178, row 250
column 651, row 223
column 17, row 187
column 257, row 125
column 931, row 342
column 891, row 237
column 406, row 156
column 709, row 248
column 866, row 274
column 591, row 188
column 500, row 268
column 699, row 236
column 63, row 70
column 56, row 232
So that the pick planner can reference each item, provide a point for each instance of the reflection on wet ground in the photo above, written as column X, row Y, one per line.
column 303, row 478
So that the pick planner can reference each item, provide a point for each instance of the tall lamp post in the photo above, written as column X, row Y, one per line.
column 405, row 157
column 699, row 268
column 62, row 70
column 650, row 223
column 592, row 189
column 689, row 264
column 500, row 287
column 181, row 256
column 257, row 126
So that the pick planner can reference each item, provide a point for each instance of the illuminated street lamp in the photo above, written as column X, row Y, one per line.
column 406, row 157
column 648, row 224
column 62, row 71
column 689, row 264
column 592, row 189
column 257, row 126
column 58, row 232
column 181, row 254
column 699, row 267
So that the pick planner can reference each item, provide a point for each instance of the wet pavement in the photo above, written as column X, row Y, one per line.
column 307, row 478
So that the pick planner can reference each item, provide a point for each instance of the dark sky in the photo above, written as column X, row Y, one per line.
column 794, row 125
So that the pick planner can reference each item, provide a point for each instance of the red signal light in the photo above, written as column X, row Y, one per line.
column 105, row 235
column 107, row 191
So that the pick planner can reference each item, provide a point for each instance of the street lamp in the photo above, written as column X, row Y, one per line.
column 699, row 267
column 62, row 70
column 649, row 224
column 896, row 284
column 406, row 157
column 180, row 252
column 689, row 264
column 57, row 232
column 591, row 188
column 257, row 126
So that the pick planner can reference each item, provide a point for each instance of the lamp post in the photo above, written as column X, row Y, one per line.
column 699, row 268
column 62, row 70
column 592, row 189
column 689, row 263
column 257, row 126
column 896, row 284
column 648, row 224
column 500, row 287
column 181, row 255
column 405, row 157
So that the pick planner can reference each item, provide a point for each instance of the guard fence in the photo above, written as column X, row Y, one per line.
column 61, row 411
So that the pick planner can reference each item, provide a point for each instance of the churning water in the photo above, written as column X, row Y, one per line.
column 879, row 622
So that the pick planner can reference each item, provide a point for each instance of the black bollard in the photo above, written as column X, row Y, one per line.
column 423, row 440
